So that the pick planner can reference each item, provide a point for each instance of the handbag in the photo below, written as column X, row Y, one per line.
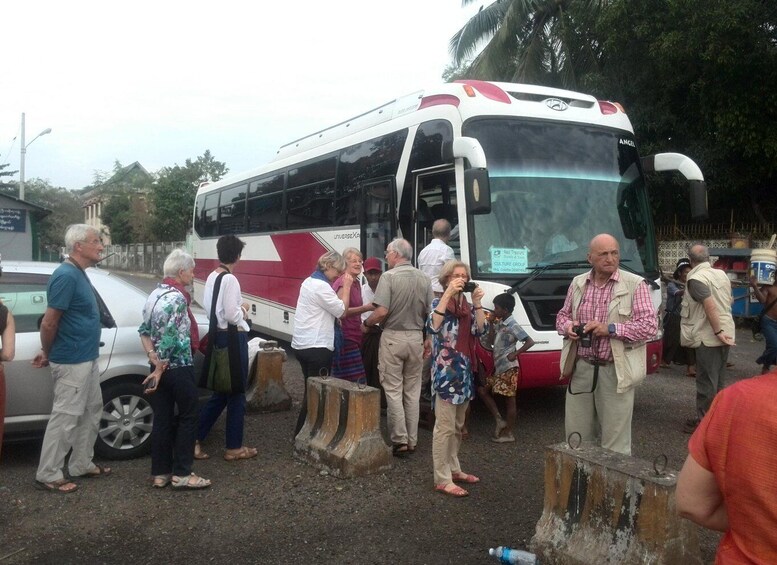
column 222, row 370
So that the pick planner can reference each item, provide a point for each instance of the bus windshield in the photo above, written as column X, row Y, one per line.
column 555, row 185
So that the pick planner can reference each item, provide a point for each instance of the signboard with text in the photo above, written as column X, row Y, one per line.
column 13, row 220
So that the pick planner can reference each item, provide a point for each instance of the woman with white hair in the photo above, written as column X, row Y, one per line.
column 170, row 336
column 318, row 309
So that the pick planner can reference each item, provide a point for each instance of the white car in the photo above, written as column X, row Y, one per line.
column 125, row 427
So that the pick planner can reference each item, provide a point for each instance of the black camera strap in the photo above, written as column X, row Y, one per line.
column 596, row 372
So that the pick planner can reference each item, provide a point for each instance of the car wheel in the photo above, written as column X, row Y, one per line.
column 125, row 424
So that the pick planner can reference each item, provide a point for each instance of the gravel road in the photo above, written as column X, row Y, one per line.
column 276, row 509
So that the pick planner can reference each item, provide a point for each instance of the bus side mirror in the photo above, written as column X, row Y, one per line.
column 698, row 193
column 477, row 191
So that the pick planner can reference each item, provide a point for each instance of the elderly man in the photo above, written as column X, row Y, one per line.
column 402, row 301
column 434, row 256
column 707, row 326
column 70, row 343
column 612, row 308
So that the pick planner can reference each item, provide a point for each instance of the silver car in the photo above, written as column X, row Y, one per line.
column 125, row 427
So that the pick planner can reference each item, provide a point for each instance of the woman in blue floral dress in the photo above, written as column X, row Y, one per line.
column 452, row 324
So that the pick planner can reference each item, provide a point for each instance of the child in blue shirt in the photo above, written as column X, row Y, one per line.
column 504, row 381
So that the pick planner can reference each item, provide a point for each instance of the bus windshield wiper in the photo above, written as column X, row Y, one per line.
column 539, row 269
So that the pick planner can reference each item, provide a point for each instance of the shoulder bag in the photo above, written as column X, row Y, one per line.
column 222, row 371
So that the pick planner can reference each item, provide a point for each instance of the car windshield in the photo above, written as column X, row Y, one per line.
column 553, row 187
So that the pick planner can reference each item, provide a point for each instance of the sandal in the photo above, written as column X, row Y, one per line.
column 96, row 473
column 62, row 486
column 189, row 482
column 242, row 453
column 451, row 489
column 198, row 452
column 160, row 481
column 400, row 450
column 462, row 477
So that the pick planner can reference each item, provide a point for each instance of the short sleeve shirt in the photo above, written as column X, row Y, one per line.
column 78, row 333
column 508, row 333
column 166, row 322
column 406, row 293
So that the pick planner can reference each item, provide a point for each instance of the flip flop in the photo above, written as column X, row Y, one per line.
column 189, row 482
column 96, row 473
column 462, row 477
column 199, row 453
column 451, row 489
column 244, row 453
column 60, row 486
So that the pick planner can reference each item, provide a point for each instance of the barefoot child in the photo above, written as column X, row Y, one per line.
column 504, row 381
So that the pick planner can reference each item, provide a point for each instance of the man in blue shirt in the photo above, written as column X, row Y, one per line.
column 70, row 343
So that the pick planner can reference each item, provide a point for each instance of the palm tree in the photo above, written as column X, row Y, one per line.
column 547, row 42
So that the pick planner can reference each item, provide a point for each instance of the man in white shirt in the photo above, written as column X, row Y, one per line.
column 433, row 256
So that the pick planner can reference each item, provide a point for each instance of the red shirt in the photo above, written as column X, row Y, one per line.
column 737, row 442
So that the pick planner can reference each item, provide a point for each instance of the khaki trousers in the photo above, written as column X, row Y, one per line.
column 602, row 416
column 448, row 423
column 400, row 359
column 74, row 422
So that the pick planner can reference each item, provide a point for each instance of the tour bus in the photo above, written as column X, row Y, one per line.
column 525, row 174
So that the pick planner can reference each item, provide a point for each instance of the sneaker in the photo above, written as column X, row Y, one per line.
column 690, row 425
column 509, row 438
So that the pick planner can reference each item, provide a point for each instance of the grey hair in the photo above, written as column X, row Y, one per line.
column 700, row 256
column 77, row 233
column 401, row 247
column 348, row 251
column 331, row 259
column 441, row 228
column 178, row 260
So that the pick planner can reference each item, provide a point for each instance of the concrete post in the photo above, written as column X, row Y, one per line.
column 266, row 391
column 606, row 507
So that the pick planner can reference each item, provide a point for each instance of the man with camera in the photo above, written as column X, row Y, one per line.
column 606, row 318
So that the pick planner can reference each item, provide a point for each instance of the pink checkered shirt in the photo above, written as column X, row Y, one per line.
column 594, row 306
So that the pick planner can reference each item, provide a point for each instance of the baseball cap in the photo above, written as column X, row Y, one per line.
column 372, row 264
column 681, row 263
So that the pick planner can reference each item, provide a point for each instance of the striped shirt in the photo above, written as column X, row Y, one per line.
column 642, row 326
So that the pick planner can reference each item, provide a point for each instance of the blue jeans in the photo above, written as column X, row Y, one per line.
column 234, row 403
column 769, row 331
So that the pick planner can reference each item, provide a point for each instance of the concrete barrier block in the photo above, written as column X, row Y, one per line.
column 342, row 431
column 606, row 507
column 266, row 392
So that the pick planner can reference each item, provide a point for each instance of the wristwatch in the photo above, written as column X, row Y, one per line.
column 611, row 330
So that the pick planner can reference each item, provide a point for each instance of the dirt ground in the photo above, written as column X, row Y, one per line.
column 276, row 509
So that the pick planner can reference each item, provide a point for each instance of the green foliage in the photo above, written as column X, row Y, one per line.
column 5, row 186
column 117, row 214
column 173, row 195
column 65, row 209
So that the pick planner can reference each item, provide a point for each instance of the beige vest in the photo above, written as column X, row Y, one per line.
column 695, row 328
column 630, row 358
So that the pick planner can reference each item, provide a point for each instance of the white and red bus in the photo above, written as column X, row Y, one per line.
column 527, row 175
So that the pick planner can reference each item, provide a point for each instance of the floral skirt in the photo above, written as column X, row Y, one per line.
column 505, row 383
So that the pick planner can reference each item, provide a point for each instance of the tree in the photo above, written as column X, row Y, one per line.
column 531, row 41
column 117, row 214
column 8, row 187
column 172, row 198
column 65, row 207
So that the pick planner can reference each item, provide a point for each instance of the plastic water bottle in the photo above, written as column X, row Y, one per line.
column 513, row 556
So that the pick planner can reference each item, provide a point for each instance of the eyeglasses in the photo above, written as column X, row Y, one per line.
column 387, row 253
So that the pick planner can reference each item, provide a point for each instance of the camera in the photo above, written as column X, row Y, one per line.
column 469, row 286
column 585, row 337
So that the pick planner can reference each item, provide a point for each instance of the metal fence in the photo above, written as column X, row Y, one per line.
column 732, row 230
column 139, row 257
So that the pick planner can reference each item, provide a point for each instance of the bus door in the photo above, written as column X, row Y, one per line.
column 377, row 223
column 435, row 199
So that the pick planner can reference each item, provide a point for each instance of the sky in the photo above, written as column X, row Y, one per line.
column 159, row 82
